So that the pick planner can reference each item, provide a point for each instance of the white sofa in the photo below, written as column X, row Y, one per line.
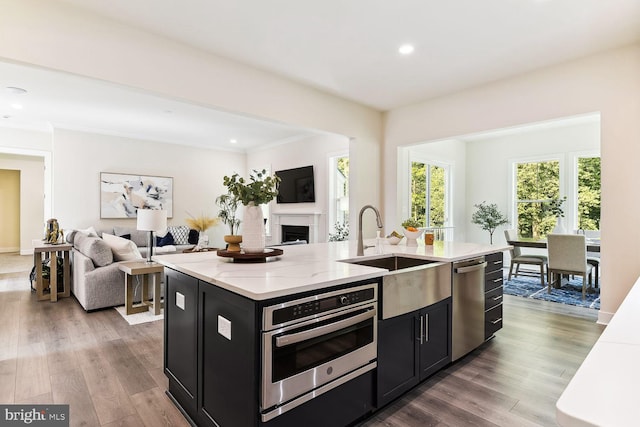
column 97, row 281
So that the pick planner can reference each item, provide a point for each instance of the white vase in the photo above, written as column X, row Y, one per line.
column 252, row 229
column 559, row 228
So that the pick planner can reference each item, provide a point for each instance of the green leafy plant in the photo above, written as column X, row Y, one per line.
column 555, row 207
column 488, row 217
column 228, row 205
column 341, row 234
column 260, row 188
column 411, row 222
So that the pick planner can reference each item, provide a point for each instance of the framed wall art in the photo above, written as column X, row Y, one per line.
column 121, row 195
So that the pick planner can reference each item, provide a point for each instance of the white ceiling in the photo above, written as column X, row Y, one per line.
column 345, row 47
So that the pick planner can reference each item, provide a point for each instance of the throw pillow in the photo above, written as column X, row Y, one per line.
column 165, row 241
column 93, row 247
column 180, row 234
column 123, row 249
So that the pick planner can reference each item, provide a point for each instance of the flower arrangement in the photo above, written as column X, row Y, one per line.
column 260, row 188
column 201, row 223
column 488, row 217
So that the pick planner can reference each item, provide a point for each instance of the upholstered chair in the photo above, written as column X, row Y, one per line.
column 568, row 255
column 517, row 257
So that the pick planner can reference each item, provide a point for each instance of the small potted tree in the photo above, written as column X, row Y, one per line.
column 228, row 205
column 488, row 217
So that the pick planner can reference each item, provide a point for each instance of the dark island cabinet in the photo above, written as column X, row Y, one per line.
column 493, row 288
column 412, row 347
column 211, row 352
column 181, row 335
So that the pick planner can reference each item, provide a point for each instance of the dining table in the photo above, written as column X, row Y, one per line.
column 593, row 245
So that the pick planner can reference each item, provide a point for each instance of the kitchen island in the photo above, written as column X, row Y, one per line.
column 221, row 351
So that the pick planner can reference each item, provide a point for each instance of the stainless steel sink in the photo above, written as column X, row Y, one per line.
column 411, row 283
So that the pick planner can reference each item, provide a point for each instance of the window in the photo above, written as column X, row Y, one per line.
column 588, row 172
column 537, row 183
column 338, row 196
column 428, row 193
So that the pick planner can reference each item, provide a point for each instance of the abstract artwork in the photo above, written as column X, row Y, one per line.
column 121, row 195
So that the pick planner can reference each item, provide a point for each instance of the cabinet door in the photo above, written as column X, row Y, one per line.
column 228, row 389
column 435, row 350
column 397, row 356
column 180, row 357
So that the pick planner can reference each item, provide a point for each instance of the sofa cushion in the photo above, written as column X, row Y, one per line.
column 70, row 234
column 123, row 249
column 94, row 248
column 166, row 240
column 194, row 236
column 136, row 236
column 180, row 234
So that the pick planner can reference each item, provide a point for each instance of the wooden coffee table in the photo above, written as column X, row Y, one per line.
column 146, row 270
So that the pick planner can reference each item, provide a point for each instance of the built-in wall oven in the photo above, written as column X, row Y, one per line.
column 315, row 344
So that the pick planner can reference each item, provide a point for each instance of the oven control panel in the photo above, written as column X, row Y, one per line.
column 321, row 304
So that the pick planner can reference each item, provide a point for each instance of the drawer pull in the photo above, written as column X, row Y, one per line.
column 498, row 320
column 497, row 262
column 497, row 298
column 497, row 280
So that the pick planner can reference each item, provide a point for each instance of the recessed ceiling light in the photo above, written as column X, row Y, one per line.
column 233, row 141
column 6, row 117
column 16, row 106
column 15, row 90
column 406, row 49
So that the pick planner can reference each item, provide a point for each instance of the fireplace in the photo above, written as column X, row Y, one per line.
column 292, row 233
column 296, row 221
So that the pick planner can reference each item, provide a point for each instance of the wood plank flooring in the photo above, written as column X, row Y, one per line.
column 111, row 373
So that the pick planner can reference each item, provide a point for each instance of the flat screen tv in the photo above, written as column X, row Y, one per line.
column 296, row 185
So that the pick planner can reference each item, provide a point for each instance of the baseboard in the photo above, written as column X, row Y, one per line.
column 13, row 249
column 26, row 251
column 604, row 317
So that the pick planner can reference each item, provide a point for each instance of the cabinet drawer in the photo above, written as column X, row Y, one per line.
column 492, row 321
column 493, row 298
column 494, row 261
column 493, row 280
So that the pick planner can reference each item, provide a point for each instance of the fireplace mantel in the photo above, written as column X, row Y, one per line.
column 309, row 219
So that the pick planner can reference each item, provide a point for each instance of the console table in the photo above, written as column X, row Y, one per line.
column 53, row 251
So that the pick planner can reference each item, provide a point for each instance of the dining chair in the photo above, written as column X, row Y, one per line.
column 593, row 260
column 568, row 255
column 517, row 257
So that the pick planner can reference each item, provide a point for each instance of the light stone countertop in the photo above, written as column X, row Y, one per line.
column 603, row 390
column 309, row 267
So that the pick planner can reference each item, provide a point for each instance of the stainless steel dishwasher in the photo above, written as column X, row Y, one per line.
column 468, row 306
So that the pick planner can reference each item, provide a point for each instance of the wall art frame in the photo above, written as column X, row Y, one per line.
column 121, row 194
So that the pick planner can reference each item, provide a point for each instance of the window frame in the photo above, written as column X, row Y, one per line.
column 448, row 184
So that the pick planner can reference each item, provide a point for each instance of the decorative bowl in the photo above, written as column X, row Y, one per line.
column 412, row 235
column 394, row 240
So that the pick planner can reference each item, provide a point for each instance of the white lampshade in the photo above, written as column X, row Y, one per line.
column 152, row 220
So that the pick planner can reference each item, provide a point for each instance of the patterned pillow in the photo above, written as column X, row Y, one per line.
column 180, row 234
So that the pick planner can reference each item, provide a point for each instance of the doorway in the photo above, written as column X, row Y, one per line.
column 9, row 210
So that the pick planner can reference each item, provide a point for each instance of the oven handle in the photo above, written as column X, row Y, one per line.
column 323, row 330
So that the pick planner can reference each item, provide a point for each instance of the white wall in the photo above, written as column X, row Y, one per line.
column 313, row 151
column 489, row 173
column 61, row 37
column 25, row 150
column 80, row 157
column 608, row 83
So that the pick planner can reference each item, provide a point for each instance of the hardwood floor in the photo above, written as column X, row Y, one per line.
column 111, row 373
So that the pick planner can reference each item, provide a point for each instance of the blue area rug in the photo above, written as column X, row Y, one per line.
column 571, row 293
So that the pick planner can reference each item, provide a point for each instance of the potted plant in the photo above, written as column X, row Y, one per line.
column 201, row 224
column 488, row 217
column 228, row 205
column 259, row 189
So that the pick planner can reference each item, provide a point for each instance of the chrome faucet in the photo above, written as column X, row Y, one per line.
column 361, row 246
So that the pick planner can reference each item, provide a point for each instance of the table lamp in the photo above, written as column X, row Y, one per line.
column 151, row 220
